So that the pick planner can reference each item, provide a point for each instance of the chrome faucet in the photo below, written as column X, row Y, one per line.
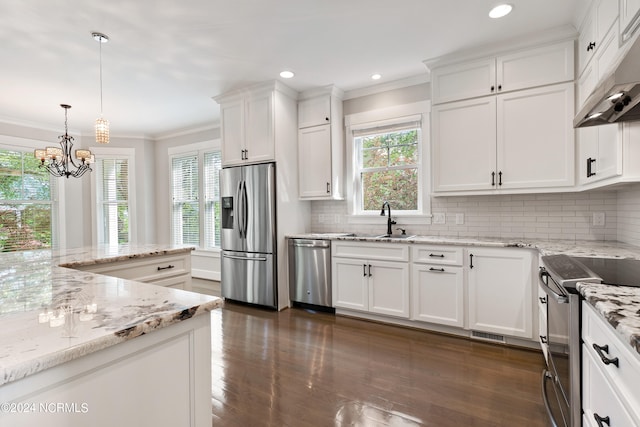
column 389, row 221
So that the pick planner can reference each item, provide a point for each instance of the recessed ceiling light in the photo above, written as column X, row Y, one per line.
column 376, row 76
column 500, row 11
column 286, row 74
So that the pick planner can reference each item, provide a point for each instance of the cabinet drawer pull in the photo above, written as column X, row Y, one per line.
column 167, row 267
column 601, row 420
column 364, row 270
column 500, row 178
column 436, row 269
column 470, row 260
column 369, row 270
column 493, row 179
column 328, row 188
column 543, row 300
column 590, row 171
column 436, row 255
column 543, row 339
column 601, row 349
column 591, row 46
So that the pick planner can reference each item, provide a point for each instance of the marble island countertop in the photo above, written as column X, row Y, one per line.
column 51, row 315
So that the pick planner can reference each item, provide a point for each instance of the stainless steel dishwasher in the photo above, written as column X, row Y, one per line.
column 310, row 272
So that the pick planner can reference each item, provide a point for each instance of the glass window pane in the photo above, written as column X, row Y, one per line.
column 402, row 155
column 375, row 158
column 398, row 187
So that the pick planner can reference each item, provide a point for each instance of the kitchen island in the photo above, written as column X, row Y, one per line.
column 78, row 348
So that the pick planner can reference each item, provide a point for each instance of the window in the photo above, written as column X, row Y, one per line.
column 195, row 216
column 388, row 167
column 27, row 202
column 113, row 211
column 388, row 161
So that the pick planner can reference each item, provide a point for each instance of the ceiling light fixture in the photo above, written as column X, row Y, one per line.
column 60, row 161
column 376, row 76
column 102, row 124
column 286, row 74
column 500, row 11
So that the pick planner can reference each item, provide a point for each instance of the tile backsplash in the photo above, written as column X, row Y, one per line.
column 536, row 216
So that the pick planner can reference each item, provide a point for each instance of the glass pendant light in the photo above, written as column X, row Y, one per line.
column 102, row 124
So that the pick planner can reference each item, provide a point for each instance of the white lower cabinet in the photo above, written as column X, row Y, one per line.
column 172, row 270
column 610, row 375
column 437, row 285
column 371, row 277
column 500, row 291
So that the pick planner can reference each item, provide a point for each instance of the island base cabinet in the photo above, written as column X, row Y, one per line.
column 438, row 294
column 500, row 291
column 162, row 379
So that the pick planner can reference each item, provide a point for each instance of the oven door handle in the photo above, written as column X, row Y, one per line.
column 546, row 376
column 544, row 279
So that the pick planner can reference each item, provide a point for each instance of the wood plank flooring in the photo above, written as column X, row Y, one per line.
column 303, row 368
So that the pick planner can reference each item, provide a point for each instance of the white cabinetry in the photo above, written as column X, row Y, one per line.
column 487, row 144
column 437, row 287
column 320, row 145
column 500, row 147
column 599, row 153
column 371, row 277
column 513, row 71
column 610, row 374
column 249, row 119
column 629, row 17
column 173, row 270
column 500, row 291
column 600, row 19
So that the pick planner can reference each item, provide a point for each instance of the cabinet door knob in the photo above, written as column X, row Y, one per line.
column 493, row 88
column 499, row 87
column 326, row 119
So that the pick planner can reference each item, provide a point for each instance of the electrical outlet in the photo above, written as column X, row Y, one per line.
column 459, row 218
column 598, row 219
column 439, row 218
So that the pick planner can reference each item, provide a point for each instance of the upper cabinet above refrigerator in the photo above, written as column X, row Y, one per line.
column 250, row 119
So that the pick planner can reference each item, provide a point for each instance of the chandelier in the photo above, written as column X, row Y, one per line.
column 59, row 162
column 102, row 124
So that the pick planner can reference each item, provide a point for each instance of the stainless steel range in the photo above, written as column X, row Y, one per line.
column 558, row 277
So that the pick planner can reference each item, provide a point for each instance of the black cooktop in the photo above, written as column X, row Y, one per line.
column 614, row 271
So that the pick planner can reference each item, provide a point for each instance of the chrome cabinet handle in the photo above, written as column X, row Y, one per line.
column 167, row 267
column 601, row 349
column 601, row 420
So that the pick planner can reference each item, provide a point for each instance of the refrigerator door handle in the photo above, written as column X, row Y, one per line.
column 245, row 213
column 244, row 258
column 238, row 209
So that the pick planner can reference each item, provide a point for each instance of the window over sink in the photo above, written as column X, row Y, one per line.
column 388, row 162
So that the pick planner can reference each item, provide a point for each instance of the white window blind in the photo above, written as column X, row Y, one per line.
column 113, row 200
column 212, row 166
column 185, row 210
column 27, row 203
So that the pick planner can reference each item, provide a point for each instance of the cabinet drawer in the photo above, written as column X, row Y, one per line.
column 370, row 251
column 145, row 269
column 436, row 255
column 625, row 376
column 598, row 397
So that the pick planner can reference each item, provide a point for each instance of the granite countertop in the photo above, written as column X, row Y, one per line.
column 618, row 305
column 35, row 292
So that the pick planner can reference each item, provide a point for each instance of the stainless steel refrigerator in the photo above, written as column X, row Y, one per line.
column 248, row 209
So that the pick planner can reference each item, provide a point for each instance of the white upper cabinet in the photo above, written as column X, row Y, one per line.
column 601, row 19
column 629, row 17
column 599, row 153
column 320, row 145
column 514, row 71
column 249, row 119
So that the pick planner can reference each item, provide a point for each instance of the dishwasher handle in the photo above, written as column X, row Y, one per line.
column 306, row 243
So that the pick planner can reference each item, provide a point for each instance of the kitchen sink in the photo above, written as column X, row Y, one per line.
column 394, row 236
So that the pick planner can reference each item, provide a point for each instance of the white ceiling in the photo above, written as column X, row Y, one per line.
column 166, row 59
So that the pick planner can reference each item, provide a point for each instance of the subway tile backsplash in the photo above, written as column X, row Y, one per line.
column 536, row 216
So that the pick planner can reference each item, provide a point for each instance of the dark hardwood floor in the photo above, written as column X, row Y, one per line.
column 304, row 368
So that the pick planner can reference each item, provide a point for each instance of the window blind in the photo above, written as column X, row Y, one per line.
column 186, row 215
column 114, row 200
column 212, row 166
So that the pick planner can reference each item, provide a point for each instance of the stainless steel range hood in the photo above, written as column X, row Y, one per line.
column 617, row 98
